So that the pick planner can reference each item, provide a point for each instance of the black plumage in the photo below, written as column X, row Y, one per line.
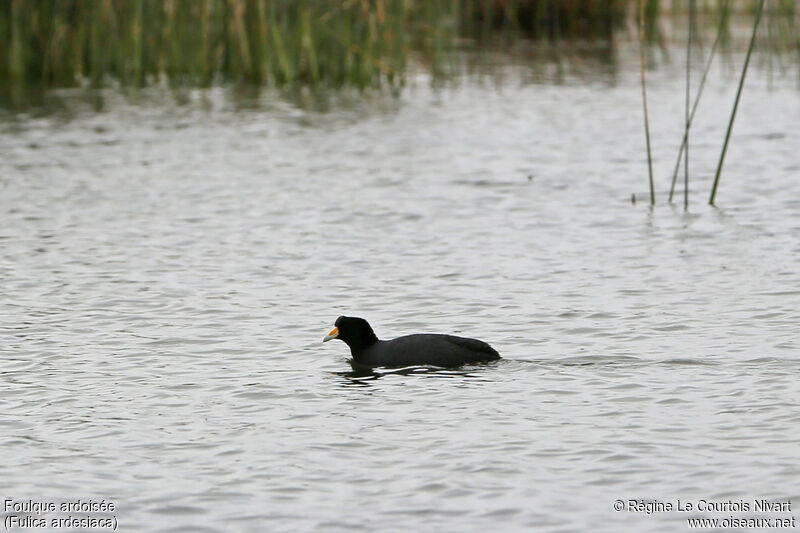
column 447, row 351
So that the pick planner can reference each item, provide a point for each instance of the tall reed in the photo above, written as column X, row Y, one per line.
column 686, row 112
column 724, row 15
column 643, row 61
column 736, row 103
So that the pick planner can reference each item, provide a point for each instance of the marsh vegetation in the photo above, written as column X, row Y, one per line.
column 356, row 43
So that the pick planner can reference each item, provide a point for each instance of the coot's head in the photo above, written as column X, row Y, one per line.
column 356, row 332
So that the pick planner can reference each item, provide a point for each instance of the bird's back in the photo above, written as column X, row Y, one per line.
column 426, row 349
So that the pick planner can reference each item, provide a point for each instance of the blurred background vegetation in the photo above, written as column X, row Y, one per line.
column 357, row 43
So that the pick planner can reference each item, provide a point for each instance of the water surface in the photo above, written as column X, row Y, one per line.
column 169, row 267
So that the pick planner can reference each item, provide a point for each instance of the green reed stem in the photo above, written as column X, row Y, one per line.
column 686, row 113
column 736, row 103
column 684, row 142
column 642, row 62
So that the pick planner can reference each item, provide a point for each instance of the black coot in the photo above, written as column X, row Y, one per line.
column 445, row 351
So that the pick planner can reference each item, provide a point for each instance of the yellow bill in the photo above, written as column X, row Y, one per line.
column 332, row 335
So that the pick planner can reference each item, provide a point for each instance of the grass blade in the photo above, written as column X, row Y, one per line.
column 722, row 21
column 644, row 101
column 736, row 104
